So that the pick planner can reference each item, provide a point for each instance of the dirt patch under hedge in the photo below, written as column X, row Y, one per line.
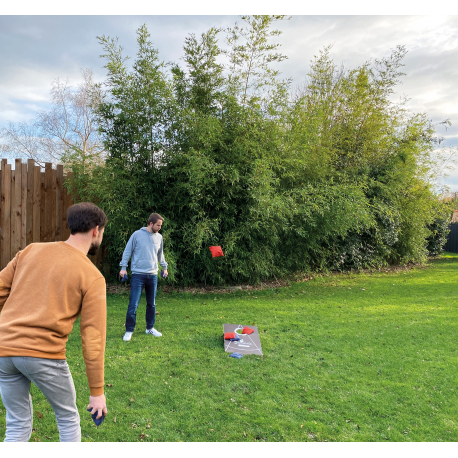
column 200, row 289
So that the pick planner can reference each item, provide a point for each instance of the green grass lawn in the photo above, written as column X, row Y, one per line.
column 351, row 357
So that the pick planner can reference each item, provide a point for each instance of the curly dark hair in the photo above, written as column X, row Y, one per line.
column 85, row 216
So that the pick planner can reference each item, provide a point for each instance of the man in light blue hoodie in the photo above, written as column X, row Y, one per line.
column 146, row 249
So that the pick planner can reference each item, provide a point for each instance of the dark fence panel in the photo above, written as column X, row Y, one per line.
column 452, row 239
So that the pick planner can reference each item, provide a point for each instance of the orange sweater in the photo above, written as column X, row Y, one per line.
column 43, row 290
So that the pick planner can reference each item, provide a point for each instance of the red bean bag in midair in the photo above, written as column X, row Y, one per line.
column 216, row 251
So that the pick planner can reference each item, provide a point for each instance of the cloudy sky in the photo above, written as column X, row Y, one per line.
column 36, row 49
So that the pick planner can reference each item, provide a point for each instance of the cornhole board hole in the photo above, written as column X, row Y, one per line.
column 247, row 345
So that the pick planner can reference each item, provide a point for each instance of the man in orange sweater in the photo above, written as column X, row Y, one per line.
column 43, row 290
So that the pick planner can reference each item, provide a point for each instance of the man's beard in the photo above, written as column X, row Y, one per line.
column 93, row 249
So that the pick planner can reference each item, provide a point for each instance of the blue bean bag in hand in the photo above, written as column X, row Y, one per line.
column 98, row 422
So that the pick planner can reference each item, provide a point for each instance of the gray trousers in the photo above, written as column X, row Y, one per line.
column 53, row 378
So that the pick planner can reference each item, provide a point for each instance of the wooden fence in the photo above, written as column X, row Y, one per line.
column 33, row 206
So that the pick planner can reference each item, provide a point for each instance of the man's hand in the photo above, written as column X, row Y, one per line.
column 165, row 272
column 122, row 273
column 98, row 404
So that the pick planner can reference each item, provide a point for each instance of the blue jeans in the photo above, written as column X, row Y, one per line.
column 53, row 378
column 149, row 282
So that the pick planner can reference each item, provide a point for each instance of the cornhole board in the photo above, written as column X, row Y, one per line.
column 248, row 345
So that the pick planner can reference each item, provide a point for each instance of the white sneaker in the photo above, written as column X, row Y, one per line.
column 127, row 336
column 153, row 332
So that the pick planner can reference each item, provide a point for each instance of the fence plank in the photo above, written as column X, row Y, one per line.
column 29, row 209
column 36, row 204
column 59, row 200
column 68, row 203
column 6, row 214
column 49, row 236
column 42, row 206
column 24, row 206
column 16, row 210
column 11, row 211
column 2, row 208
column 53, row 206
column 65, row 230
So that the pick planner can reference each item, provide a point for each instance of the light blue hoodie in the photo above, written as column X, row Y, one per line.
column 145, row 248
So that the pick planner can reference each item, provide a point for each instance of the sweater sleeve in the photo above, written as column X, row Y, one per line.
column 160, row 255
column 127, row 252
column 93, row 334
column 6, row 279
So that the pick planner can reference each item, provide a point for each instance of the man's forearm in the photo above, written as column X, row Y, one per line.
column 126, row 254
column 160, row 256
column 93, row 334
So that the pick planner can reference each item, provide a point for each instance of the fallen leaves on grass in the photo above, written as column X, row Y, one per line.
column 39, row 415
column 109, row 384
column 131, row 399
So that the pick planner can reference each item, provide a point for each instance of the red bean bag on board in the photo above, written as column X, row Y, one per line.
column 247, row 330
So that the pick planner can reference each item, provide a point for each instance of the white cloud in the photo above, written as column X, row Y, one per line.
column 34, row 50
